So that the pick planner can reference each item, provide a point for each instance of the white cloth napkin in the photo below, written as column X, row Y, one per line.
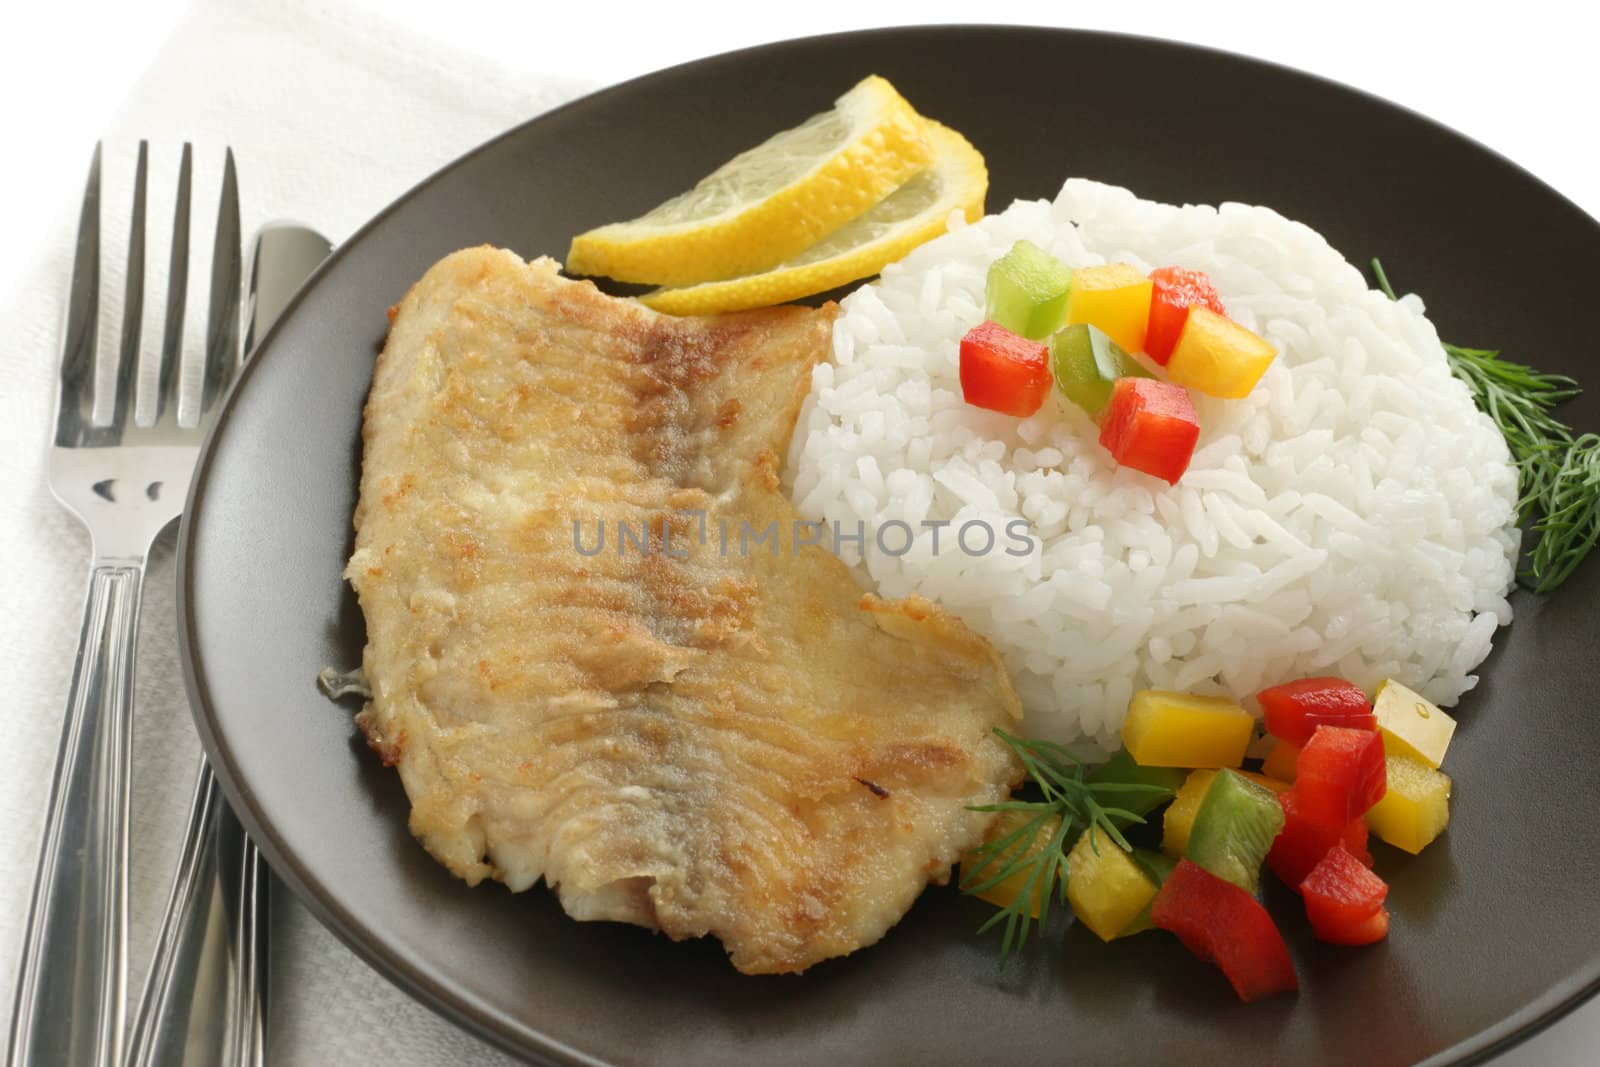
column 330, row 114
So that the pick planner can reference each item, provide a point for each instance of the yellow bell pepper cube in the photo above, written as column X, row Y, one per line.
column 1217, row 356
column 1003, row 893
column 1281, row 762
column 1116, row 298
column 1164, row 729
column 1180, row 816
column 1106, row 888
column 1412, row 725
column 1416, row 807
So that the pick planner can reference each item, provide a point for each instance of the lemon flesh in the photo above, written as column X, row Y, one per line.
column 915, row 213
column 770, row 202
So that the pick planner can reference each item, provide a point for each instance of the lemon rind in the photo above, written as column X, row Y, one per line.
column 966, row 184
column 758, row 236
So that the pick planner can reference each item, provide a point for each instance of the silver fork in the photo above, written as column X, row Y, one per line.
column 126, row 483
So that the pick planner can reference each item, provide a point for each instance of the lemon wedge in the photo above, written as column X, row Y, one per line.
column 769, row 203
column 917, row 212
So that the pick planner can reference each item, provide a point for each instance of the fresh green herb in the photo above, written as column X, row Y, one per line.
column 1078, row 804
column 1570, row 523
column 1558, row 474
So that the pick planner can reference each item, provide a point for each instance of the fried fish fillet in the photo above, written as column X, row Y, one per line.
column 698, row 738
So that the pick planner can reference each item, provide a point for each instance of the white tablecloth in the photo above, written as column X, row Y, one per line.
column 332, row 113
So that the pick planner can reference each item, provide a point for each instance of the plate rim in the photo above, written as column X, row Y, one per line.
column 522, row 1039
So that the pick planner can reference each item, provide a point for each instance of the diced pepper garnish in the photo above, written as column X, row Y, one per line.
column 1026, row 291
column 1343, row 898
column 1221, row 923
column 1158, row 868
column 1150, row 426
column 1340, row 774
column 1121, row 769
column 1002, row 371
column 1277, row 785
column 1107, row 889
column 1217, row 356
column 1164, row 729
column 1087, row 364
column 1373, row 930
column 1416, row 808
column 1005, row 892
column 1157, row 865
column 1303, row 842
column 1354, row 840
column 1412, row 725
column 1115, row 298
column 1234, row 829
column 1295, row 709
column 1178, row 821
column 1173, row 291
column 1280, row 762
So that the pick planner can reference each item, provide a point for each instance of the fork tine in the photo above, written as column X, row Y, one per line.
column 133, row 302
column 222, row 325
column 76, row 401
column 177, row 293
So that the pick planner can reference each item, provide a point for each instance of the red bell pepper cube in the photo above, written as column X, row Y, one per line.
column 1344, row 900
column 1340, row 774
column 1151, row 426
column 1354, row 841
column 1294, row 710
column 1003, row 371
column 1304, row 843
column 1369, row 932
column 1173, row 292
column 1222, row 924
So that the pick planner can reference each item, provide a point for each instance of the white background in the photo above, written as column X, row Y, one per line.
column 1521, row 78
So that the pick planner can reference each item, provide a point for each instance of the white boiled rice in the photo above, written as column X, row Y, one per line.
column 1352, row 516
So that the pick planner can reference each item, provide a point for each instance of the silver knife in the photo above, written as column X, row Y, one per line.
column 205, row 998
column 285, row 255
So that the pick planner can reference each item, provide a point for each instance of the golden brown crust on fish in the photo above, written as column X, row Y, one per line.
column 735, row 743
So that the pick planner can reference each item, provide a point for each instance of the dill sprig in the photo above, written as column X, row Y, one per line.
column 1558, row 474
column 1071, row 806
column 1570, row 523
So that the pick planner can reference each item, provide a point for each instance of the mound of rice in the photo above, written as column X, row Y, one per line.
column 1353, row 516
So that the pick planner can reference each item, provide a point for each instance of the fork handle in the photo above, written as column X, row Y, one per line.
column 70, row 990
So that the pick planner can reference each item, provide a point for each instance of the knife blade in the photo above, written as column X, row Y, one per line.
column 286, row 254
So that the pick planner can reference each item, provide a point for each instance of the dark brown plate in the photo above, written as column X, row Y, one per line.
column 1495, row 927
